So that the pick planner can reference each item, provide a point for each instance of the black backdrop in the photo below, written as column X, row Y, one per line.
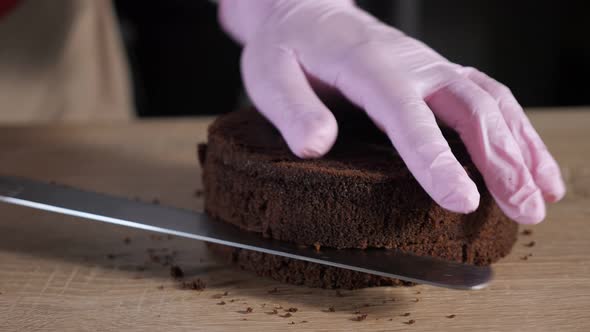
column 183, row 64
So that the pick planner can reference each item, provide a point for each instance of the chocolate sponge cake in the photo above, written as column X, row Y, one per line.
column 359, row 195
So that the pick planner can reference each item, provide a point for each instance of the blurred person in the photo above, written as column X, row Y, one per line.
column 61, row 60
column 69, row 66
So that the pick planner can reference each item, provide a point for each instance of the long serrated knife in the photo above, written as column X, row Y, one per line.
column 93, row 206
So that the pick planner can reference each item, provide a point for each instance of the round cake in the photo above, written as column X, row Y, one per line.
column 360, row 195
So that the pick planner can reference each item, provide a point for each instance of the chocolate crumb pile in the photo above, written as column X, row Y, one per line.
column 176, row 272
column 196, row 284
column 410, row 322
column 360, row 317
column 530, row 244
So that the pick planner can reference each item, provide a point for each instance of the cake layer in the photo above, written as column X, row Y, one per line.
column 360, row 195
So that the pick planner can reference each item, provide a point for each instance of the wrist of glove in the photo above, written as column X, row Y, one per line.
column 404, row 86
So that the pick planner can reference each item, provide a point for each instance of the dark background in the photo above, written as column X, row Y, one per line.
column 183, row 64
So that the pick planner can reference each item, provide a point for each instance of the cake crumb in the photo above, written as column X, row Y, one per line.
column 331, row 309
column 218, row 296
column 360, row 317
column 154, row 258
column 273, row 312
column 287, row 315
column 196, row 284
column 405, row 315
column 249, row 309
column 176, row 272
column 416, row 300
column 317, row 246
column 451, row 316
column 527, row 232
column 530, row 244
column 221, row 303
column 292, row 310
column 410, row 322
column 292, row 323
column 161, row 287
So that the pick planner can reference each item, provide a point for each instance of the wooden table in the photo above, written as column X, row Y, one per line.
column 60, row 273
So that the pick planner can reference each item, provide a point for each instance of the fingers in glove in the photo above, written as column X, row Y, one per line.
column 279, row 88
column 475, row 115
column 412, row 128
column 541, row 164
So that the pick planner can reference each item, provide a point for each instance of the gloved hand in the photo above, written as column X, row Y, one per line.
column 402, row 85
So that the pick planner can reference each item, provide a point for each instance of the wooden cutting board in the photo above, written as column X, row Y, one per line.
column 61, row 273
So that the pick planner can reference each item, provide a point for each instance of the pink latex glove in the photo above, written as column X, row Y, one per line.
column 401, row 84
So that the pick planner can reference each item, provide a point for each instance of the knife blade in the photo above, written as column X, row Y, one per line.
column 87, row 205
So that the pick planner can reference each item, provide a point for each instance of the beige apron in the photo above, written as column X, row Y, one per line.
column 62, row 61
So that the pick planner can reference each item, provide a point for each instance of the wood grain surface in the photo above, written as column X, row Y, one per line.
column 65, row 274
